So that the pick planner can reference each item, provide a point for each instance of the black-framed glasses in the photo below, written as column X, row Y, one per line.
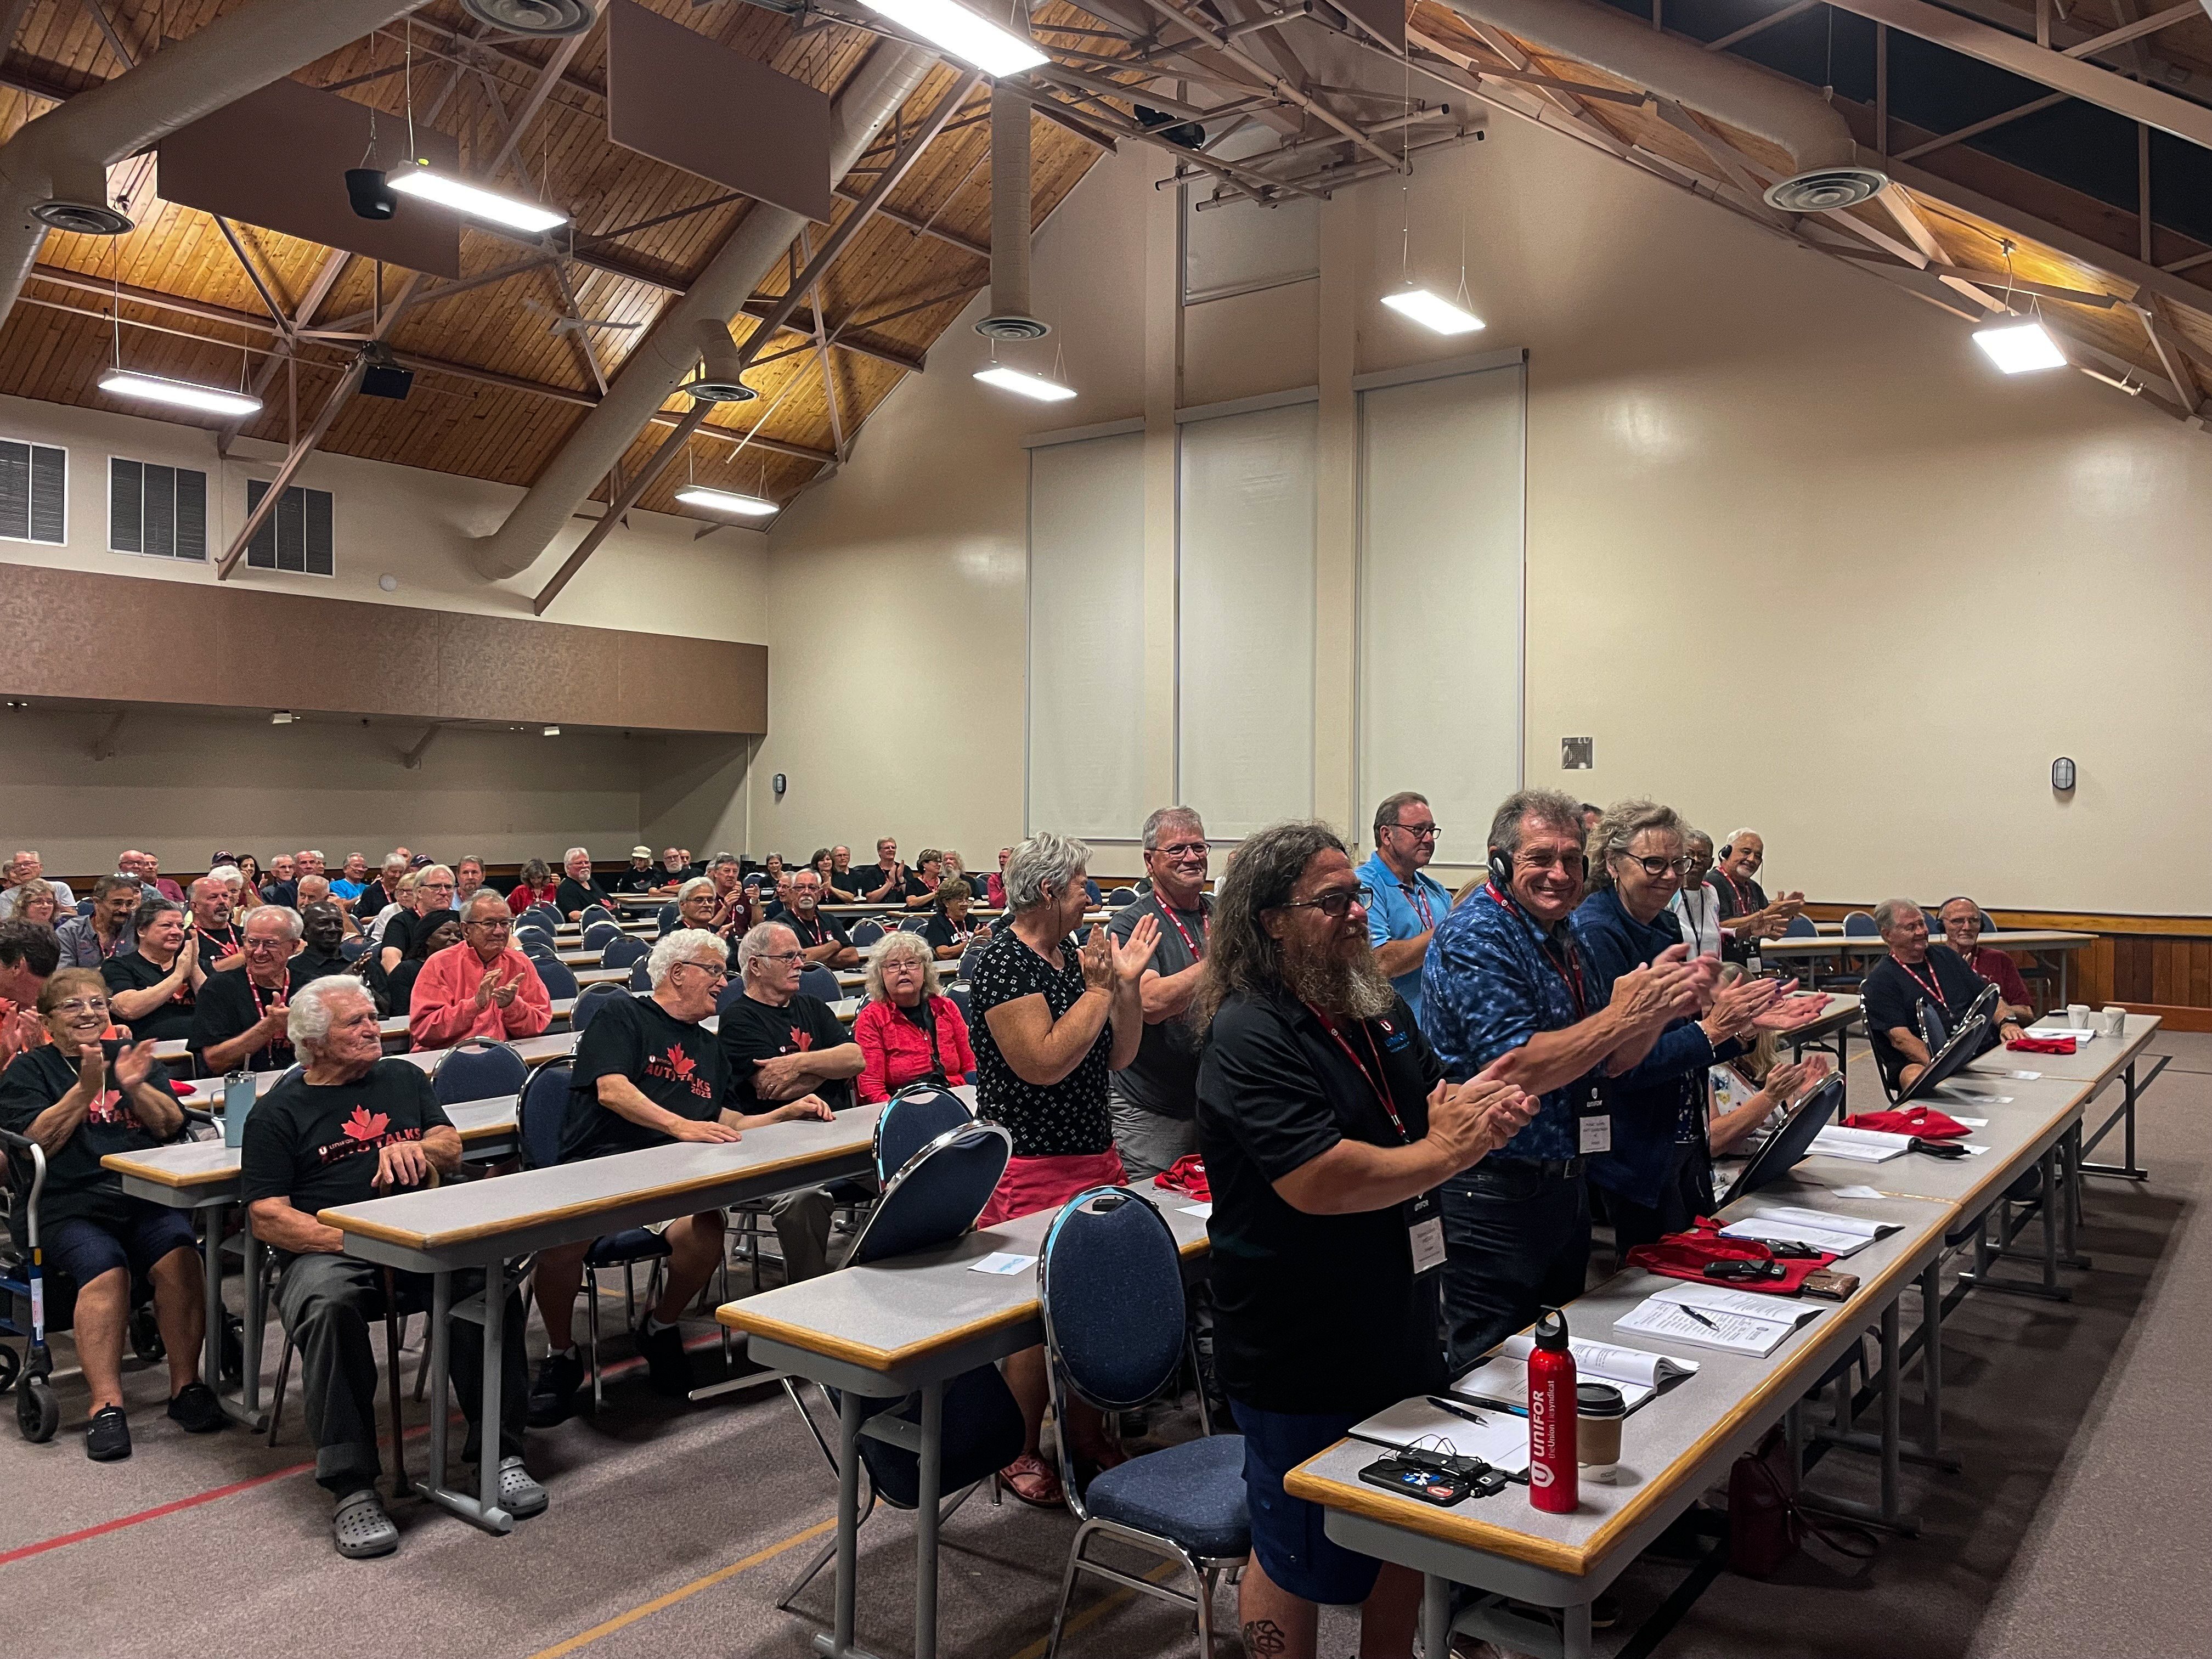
column 1657, row 867
column 712, row 970
column 1417, row 831
column 1332, row 904
column 1185, row 850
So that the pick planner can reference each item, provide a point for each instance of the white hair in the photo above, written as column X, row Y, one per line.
column 1887, row 913
column 1045, row 860
column 309, row 1021
column 283, row 914
column 755, row 944
column 483, row 895
column 901, row 944
column 430, row 870
column 697, row 883
column 575, row 852
column 1735, row 835
column 684, row 945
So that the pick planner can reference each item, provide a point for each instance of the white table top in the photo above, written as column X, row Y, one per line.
column 193, row 1167
column 1874, row 945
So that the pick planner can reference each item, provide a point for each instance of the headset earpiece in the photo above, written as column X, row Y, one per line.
column 1501, row 868
column 1725, row 851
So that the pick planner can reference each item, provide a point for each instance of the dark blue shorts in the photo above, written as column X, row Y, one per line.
column 85, row 1250
column 1286, row 1531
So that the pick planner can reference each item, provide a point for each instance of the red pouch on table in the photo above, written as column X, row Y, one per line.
column 2028, row 1045
column 1687, row 1254
column 1924, row 1121
column 1186, row 1175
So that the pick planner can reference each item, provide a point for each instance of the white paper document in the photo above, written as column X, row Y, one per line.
column 2080, row 1034
column 1001, row 1262
column 1706, row 1327
column 1856, row 1192
column 1747, row 1304
column 1859, row 1146
column 1204, row 1211
column 1500, row 1439
column 1838, row 1235
column 1953, row 1092
column 2025, row 1076
column 1501, row 1377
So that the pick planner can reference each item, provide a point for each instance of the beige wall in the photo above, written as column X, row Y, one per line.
column 1797, row 557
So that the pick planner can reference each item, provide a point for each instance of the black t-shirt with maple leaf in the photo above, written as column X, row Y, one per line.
column 754, row 1030
column 317, row 1144
column 674, row 1063
column 77, row 1187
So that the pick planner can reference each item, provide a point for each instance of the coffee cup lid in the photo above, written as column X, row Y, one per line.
column 1599, row 1400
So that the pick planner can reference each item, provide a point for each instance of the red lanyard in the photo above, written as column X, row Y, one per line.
column 1574, row 985
column 261, row 1012
column 1933, row 984
column 1743, row 903
column 1419, row 901
column 1328, row 1024
column 1195, row 946
column 233, row 946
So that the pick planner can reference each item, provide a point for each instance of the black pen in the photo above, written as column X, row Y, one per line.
column 1699, row 1317
column 1458, row 1410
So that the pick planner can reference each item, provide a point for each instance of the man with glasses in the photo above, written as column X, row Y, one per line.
column 481, row 987
column 239, row 1020
column 1154, row 1099
column 822, row 938
column 1404, row 902
column 431, row 889
column 646, row 1073
column 1510, row 996
column 1746, row 913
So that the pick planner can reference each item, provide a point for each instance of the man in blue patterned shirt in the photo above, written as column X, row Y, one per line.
column 1506, row 994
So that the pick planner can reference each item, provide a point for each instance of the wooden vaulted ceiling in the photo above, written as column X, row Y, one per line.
column 513, row 390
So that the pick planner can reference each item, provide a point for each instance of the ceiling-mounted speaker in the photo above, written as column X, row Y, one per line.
column 541, row 18
column 372, row 199
column 381, row 375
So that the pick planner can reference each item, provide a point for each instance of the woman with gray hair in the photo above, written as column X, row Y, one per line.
column 1053, row 1019
column 909, row 1032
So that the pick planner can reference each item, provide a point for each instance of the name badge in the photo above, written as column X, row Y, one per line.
column 1425, row 1231
column 1596, row 1131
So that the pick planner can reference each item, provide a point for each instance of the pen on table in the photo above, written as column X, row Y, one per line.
column 1700, row 1318
column 1456, row 1409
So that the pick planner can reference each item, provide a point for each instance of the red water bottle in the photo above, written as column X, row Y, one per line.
column 1552, row 1470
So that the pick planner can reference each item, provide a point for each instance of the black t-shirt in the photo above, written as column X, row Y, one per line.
column 1739, row 896
column 230, row 1003
column 282, row 892
column 635, row 880
column 224, row 941
column 399, row 985
column 312, row 964
column 1163, row 1077
column 675, row 1064
column 128, row 971
column 572, row 896
column 1891, row 993
column 76, row 1187
column 939, row 931
column 821, row 930
column 372, row 899
column 400, row 933
column 754, row 1030
column 1062, row 1119
column 1314, row 1313
column 316, row 1144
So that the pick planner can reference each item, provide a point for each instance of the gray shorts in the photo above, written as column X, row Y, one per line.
column 1148, row 1142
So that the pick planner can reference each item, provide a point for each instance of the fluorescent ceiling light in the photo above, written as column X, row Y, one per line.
column 971, row 37
column 477, row 203
column 1030, row 386
column 184, row 394
column 1431, row 311
column 2020, row 348
column 551, row 732
column 724, row 500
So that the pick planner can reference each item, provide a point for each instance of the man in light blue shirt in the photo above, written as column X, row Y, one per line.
column 1405, row 902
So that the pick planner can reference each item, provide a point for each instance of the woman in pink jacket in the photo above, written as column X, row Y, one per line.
column 908, row 1033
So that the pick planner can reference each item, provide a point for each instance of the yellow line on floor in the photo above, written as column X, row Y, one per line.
column 1097, row 1610
column 646, row 1610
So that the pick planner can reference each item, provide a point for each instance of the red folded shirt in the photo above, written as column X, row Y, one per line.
column 1687, row 1254
column 2028, row 1045
column 1924, row 1121
column 1186, row 1175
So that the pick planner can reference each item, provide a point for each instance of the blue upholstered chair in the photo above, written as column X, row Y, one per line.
column 640, row 978
column 623, row 949
column 1859, row 924
column 815, row 980
column 591, row 999
column 554, row 975
column 1800, row 927
column 914, row 1117
column 478, row 1069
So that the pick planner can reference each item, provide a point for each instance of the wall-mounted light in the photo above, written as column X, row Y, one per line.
column 551, row 732
column 281, row 717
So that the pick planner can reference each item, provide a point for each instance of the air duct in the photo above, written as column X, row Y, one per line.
column 659, row 366
column 1009, row 318
column 1826, row 171
column 721, row 376
column 53, row 173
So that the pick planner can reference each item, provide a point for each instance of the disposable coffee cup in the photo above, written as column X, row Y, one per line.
column 2077, row 1016
column 2115, row 1022
column 1599, row 1409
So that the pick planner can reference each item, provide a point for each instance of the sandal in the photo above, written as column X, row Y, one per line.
column 360, row 1529
column 1043, row 1494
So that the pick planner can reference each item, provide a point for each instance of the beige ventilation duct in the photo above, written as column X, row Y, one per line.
column 659, row 367
column 1826, row 170
column 53, row 173
column 1010, row 318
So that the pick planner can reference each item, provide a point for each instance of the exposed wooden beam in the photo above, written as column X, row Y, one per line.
column 2135, row 31
column 1976, row 129
column 564, row 51
column 2170, row 358
column 920, row 228
column 1760, row 25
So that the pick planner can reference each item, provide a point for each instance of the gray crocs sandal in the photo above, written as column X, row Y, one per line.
column 360, row 1529
column 518, row 1495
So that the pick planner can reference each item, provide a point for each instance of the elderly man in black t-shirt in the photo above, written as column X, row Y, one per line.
column 241, row 1018
column 821, row 936
column 1895, row 987
column 646, row 1073
column 579, row 889
column 351, row 1126
column 1326, row 1128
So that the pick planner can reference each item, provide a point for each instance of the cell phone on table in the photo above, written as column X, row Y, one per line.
column 1438, row 1486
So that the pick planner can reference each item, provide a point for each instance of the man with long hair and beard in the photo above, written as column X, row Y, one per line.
column 1326, row 1127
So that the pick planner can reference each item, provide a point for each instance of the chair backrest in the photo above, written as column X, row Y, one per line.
column 972, row 958
column 540, row 1112
column 815, row 980
column 591, row 999
column 592, row 913
column 732, row 993
column 623, row 949
column 1989, row 925
column 525, row 932
column 1121, row 895
column 1110, row 1280
column 640, row 976
column 938, row 1195
column 1859, row 924
column 1933, row 1032
column 914, row 1118
column 597, row 932
column 665, row 922
column 478, row 1069
column 1800, row 927
column 353, row 949
column 554, row 975
column 865, row 933
column 960, row 1000
column 84, row 907
column 916, row 923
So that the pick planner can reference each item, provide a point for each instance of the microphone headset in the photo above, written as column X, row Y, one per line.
column 1501, row 868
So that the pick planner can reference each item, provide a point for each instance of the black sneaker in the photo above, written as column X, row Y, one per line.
column 107, row 1435
column 553, row 1395
column 195, row 1407
column 667, row 1364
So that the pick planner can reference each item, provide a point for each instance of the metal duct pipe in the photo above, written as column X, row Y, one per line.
column 1009, row 318
column 53, row 173
column 1826, row 174
column 670, row 353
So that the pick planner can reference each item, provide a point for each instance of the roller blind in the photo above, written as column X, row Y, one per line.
column 1246, row 645
column 1440, row 599
column 1086, row 691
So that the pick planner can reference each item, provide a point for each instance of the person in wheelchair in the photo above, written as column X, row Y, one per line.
column 67, row 1096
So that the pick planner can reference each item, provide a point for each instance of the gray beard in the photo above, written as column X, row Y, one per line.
column 1352, row 987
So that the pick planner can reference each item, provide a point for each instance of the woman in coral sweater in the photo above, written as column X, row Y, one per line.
column 909, row 1032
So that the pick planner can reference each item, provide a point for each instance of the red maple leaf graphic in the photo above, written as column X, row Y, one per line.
column 361, row 1126
column 681, row 1063
column 801, row 1040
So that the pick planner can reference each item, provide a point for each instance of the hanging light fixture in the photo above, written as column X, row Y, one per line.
column 420, row 179
column 695, row 494
column 2019, row 347
column 1414, row 302
column 972, row 38
column 120, row 382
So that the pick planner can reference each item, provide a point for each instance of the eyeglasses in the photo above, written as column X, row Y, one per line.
column 83, row 1005
column 266, row 944
column 1417, row 831
column 1656, row 867
column 1570, row 861
column 435, row 886
column 1184, row 850
column 712, row 970
column 781, row 956
column 491, row 927
column 1333, row 905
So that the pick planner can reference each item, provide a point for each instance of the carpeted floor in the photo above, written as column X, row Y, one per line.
column 2074, row 1527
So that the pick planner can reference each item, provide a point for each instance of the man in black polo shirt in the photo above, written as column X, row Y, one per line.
column 1911, row 974
column 1326, row 1128
column 322, row 928
column 578, row 887
column 1154, row 1100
